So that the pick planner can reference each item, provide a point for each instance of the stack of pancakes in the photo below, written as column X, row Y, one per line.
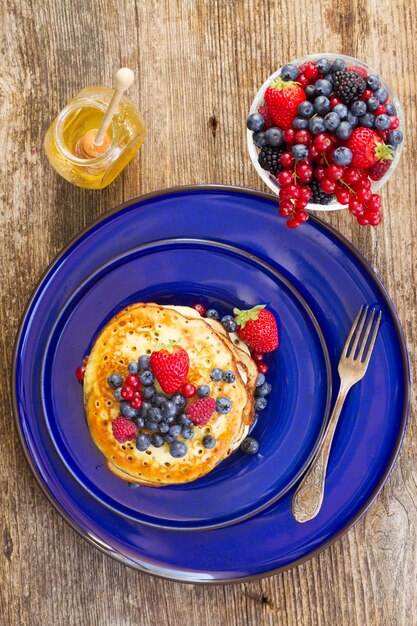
column 137, row 330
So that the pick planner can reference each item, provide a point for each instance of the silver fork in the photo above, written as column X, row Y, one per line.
column 308, row 498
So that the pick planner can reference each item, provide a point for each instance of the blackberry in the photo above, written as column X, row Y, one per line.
column 269, row 159
column 319, row 197
column 348, row 85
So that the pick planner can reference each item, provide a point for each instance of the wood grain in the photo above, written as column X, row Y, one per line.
column 199, row 64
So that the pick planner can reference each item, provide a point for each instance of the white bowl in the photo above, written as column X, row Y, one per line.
column 258, row 101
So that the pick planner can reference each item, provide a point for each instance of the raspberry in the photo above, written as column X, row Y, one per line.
column 201, row 411
column 123, row 429
column 359, row 70
column 265, row 114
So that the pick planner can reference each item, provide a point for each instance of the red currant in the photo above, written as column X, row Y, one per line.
column 374, row 221
column 374, row 202
column 384, row 134
column 200, row 308
column 291, row 223
column 136, row 402
column 362, row 220
column 302, row 216
column 303, row 136
column 262, row 366
column 367, row 94
column 380, row 110
column 363, row 194
column 355, row 207
column 79, row 373
column 301, row 203
column 352, row 175
column 132, row 381
column 313, row 153
column 327, row 185
column 395, row 122
column 303, row 80
column 304, row 172
column 289, row 136
column 188, row 390
column 293, row 191
column 127, row 392
column 286, row 159
column 335, row 172
column 305, row 193
column 285, row 178
column 257, row 357
column 285, row 210
column 283, row 193
column 311, row 71
column 320, row 172
column 334, row 101
column 322, row 142
column 343, row 196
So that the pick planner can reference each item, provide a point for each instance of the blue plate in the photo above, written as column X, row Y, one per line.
column 221, row 276
column 312, row 272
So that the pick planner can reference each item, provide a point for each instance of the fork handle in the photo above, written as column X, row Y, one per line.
column 308, row 498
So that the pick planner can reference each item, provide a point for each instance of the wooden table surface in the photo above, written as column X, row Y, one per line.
column 199, row 64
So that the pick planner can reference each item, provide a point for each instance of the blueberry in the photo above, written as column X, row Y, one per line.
column 115, row 380
column 273, row 137
column 157, row 441
column 299, row 123
column 212, row 313
column 168, row 408
column 310, row 92
column 344, row 131
column 372, row 104
column 184, row 420
column 342, row 156
column 151, row 425
column 324, row 87
column 145, row 409
column 259, row 141
column 260, row 380
column 358, row 108
column 338, row 65
column 331, row 121
column 223, row 405
column 263, row 390
column 163, row 427
column 154, row 414
column 255, row 418
column 382, row 94
column 390, row 109
column 179, row 400
column 170, row 419
column 229, row 377
column 144, row 361
column 299, row 151
column 175, row 430
column 322, row 105
column 216, row 374
column 118, row 394
column 208, row 441
column 203, row 391
column 316, row 125
column 229, row 324
column 341, row 110
column 372, row 81
column 352, row 120
column 158, row 398
column 139, row 422
column 169, row 438
column 255, row 122
column 143, row 442
column 146, row 377
column 127, row 411
column 249, row 446
column 290, row 72
column 260, row 404
column 178, row 449
column 329, row 77
column 187, row 433
column 133, row 367
column 367, row 120
column 323, row 66
column 305, row 109
column 148, row 392
column 395, row 137
column 382, row 122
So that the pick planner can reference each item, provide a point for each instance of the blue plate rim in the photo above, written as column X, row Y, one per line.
column 188, row 241
column 108, row 550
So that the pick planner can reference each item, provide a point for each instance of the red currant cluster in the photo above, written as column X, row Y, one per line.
column 351, row 186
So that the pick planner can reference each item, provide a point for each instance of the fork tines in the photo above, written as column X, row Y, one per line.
column 358, row 339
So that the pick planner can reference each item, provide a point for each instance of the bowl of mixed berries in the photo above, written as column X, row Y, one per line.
column 325, row 132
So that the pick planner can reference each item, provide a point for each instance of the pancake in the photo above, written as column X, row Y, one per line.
column 133, row 332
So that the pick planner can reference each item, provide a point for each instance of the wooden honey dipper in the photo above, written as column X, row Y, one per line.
column 95, row 142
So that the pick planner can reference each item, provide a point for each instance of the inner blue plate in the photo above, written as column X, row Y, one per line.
column 288, row 429
column 334, row 280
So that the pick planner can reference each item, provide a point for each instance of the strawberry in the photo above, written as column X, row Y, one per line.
column 201, row 411
column 359, row 70
column 257, row 328
column 170, row 364
column 265, row 114
column 123, row 429
column 377, row 171
column 367, row 148
column 282, row 98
